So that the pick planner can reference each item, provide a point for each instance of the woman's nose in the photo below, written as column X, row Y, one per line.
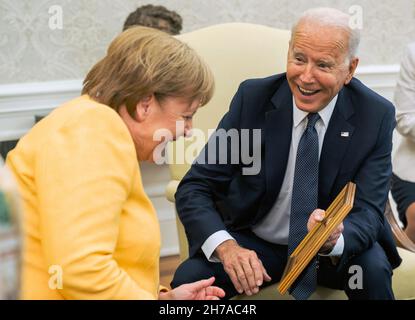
column 188, row 128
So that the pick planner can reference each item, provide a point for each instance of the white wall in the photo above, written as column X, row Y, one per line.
column 30, row 51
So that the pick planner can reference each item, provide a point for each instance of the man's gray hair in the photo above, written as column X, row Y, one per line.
column 334, row 18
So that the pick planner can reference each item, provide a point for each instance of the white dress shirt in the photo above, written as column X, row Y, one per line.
column 403, row 160
column 274, row 227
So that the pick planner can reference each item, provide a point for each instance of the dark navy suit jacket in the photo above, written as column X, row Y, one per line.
column 213, row 197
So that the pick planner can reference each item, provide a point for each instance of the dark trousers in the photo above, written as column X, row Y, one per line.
column 403, row 193
column 376, row 282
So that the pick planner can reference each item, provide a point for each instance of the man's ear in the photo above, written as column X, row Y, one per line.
column 352, row 68
column 289, row 48
column 143, row 107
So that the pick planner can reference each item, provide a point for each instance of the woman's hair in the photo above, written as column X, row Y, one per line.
column 142, row 61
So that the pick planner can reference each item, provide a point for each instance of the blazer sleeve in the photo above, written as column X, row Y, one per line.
column 83, row 178
column 405, row 95
column 365, row 223
column 206, row 178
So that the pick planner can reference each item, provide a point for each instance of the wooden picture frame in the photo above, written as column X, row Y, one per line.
column 314, row 240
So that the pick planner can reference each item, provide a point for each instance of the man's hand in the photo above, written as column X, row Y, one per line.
column 317, row 217
column 243, row 267
column 199, row 290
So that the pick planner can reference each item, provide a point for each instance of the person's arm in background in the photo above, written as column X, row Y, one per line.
column 405, row 95
column 204, row 225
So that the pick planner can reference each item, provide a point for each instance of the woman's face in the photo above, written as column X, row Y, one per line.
column 155, row 123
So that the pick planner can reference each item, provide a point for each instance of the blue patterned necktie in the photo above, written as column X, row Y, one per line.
column 304, row 202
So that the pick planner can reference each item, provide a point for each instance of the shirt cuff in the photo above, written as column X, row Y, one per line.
column 211, row 243
column 337, row 249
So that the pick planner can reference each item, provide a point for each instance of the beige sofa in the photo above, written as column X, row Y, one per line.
column 235, row 52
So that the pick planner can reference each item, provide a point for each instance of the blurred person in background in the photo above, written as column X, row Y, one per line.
column 157, row 17
column 9, row 235
column 403, row 179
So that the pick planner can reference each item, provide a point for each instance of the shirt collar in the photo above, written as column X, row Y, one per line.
column 325, row 113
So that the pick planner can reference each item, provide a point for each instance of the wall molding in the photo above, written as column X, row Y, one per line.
column 381, row 79
column 21, row 102
column 23, row 99
column 169, row 251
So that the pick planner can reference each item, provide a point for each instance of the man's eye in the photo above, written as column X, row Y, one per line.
column 323, row 65
column 187, row 118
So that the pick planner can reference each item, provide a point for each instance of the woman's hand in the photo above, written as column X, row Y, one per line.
column 200, row 290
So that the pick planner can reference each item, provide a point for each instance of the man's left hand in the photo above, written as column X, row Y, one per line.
column 317, row 217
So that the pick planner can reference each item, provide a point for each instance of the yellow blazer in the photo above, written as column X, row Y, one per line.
column 89, row 229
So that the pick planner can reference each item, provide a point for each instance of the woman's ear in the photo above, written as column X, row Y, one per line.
column 143, row 108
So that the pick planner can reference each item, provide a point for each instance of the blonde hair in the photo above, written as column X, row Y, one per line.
column 142, row 61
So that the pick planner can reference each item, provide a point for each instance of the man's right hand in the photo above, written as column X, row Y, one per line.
column 243, row 267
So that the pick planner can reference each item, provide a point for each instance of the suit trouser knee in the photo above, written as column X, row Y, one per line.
column 376, row 282
column 366, row 277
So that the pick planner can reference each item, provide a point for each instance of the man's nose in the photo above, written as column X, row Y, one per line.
column 307, row 75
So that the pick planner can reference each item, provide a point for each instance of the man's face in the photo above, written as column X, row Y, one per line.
column 317, row 65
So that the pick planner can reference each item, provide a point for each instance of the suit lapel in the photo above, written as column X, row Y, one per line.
column 278, row 132
column 336, row 140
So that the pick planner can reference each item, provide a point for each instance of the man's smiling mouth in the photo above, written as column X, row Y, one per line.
column 307, row 92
